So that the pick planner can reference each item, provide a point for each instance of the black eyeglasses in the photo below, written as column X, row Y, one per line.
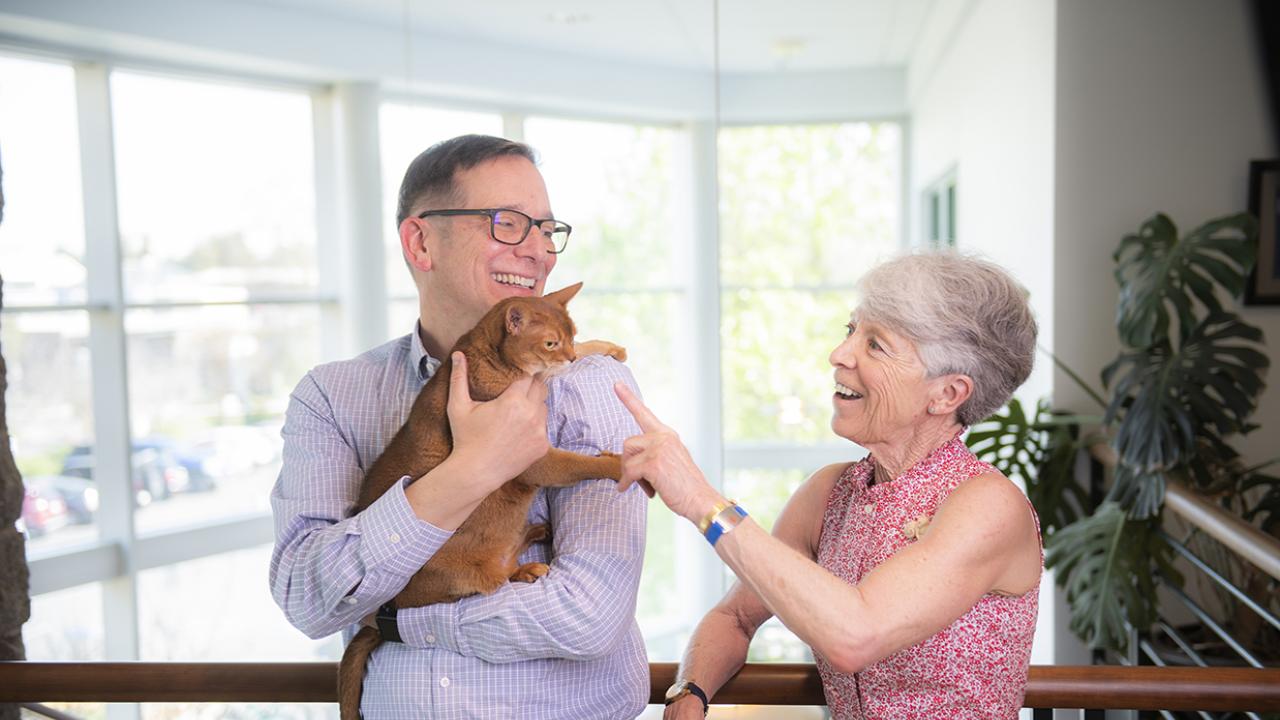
column 511, row 227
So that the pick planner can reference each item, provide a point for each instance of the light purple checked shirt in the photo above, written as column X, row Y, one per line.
column 566, row 646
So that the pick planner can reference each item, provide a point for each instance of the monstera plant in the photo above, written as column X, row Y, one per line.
column 1185, row 382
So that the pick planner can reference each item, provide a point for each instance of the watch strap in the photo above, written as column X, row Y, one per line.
column 701, row 695
column 724, row 521
column 689, row 687
column 386, row 620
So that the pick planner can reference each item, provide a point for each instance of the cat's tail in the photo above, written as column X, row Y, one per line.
column 351, row 671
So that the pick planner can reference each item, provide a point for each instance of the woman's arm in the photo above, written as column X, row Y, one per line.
column 982, row 539
column 719, row 644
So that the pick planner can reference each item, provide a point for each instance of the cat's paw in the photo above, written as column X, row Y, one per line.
column 601, row 347
column 530, row 572
column 537, row 533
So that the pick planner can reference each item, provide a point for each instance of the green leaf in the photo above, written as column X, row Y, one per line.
column 1160, row 276
column 1040, row 451
column 1107, row 565
column 1265, row 510
column 1141, row 494
column 1164, row 400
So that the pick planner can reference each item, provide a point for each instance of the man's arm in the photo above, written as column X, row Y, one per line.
column 329, row 570
column 585, row 605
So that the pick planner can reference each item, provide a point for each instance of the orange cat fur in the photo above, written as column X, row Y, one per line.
column 521, row 335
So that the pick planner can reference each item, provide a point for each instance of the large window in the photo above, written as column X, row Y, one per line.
column 804, row 210
column 43, row 229
column 216, row 191
column 182, row 268
column 179, row 290
column 46, row 343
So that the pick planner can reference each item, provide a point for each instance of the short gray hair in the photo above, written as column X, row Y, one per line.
column 965, row 316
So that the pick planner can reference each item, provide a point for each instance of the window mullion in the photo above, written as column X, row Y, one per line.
column 359, row 184
column 706, row 440
column 109, row 368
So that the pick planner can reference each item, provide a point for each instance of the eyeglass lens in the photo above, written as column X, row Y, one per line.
column 512, row 227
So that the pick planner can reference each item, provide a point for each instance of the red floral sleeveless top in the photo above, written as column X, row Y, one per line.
column 976, row 667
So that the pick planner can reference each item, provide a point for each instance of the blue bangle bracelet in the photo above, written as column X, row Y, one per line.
column 718, row 528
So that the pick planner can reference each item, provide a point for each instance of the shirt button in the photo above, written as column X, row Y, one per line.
column 444, row 682
column 868, row 508
column 394, row 537
column 431, row 639
column 351, row 601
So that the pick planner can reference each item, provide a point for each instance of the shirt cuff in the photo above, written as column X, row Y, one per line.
column 433, row 627
column 394, row 539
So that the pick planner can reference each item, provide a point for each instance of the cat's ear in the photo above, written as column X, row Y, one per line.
column 515, row 320
column 564, row 295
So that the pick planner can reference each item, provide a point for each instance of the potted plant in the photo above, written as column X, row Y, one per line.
column 1185, row 382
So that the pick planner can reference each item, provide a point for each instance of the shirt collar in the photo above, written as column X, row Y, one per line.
column 422, row 364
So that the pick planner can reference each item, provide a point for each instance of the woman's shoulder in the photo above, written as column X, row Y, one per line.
column 990, row 505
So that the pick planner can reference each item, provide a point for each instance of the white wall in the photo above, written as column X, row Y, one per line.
column 1161, row 105
column 980, row 92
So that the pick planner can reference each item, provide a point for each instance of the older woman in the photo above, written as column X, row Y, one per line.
column 912, row 573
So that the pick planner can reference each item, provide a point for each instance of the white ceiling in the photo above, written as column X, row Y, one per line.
column 755, row 35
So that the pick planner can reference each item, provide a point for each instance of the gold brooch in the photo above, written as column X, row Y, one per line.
column 915, row 529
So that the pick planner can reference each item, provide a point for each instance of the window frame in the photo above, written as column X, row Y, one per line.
column 354, row 316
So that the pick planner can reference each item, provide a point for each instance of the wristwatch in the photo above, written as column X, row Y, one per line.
column 386, row 622
column 687, row 687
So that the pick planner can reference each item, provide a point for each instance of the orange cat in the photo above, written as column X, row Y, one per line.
column 518, row 336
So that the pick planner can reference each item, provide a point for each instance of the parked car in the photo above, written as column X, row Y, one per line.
column 195, row 460
column 156, row 474
column 43, row 511
column 79, row 495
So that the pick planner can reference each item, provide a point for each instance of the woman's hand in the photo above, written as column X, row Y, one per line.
column 660, row 462
column 499, row 439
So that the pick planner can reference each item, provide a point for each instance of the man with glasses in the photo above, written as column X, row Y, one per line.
column 475, row 226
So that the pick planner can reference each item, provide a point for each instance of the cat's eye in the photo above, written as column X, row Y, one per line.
column 551, row 344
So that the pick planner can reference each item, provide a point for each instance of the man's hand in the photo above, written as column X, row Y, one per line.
column 499, row 439
column 688, row 707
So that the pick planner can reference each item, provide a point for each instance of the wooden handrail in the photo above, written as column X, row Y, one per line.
column 1239, row 536
column 1048, row 686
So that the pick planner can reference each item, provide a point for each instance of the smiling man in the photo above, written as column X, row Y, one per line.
column 475, row 227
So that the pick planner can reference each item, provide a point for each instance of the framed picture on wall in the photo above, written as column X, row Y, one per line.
column 1264, row 202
